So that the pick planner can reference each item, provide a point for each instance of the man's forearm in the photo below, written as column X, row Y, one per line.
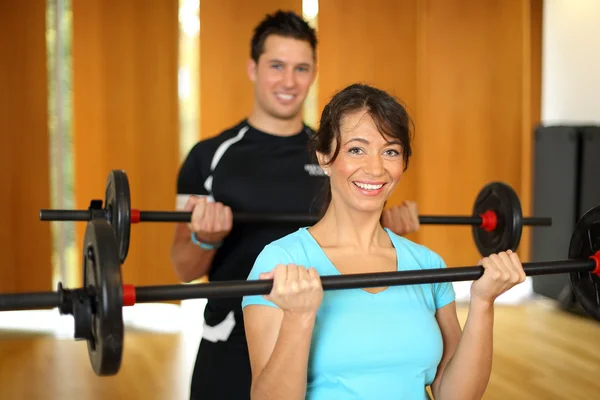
column 189, row 260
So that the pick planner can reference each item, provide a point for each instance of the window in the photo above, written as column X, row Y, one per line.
column 58, row 47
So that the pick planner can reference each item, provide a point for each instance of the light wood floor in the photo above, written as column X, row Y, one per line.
column 540, row 353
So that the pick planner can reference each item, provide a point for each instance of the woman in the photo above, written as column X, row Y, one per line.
column 382, row 343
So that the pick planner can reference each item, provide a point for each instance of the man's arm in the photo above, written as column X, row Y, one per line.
column 402, row 219
column 189, row 260
column 211, row 222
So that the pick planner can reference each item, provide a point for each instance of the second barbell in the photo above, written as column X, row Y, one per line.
column 497, row 217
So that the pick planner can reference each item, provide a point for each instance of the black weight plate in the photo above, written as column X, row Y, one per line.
column 118, row 209
column 501, row 199
column 102, row 276
column 585, row 241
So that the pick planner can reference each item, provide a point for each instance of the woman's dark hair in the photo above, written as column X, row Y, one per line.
column 390, row 118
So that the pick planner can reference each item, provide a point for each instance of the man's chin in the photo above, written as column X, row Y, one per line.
column 285, row 114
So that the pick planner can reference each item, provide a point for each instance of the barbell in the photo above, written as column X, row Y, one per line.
column 497, row 217
column 97, row 306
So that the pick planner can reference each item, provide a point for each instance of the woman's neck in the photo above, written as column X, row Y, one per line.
column 344, row 227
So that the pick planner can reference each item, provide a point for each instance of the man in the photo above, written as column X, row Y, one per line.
column 260, row 165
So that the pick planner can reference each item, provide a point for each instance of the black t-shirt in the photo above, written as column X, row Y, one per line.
column 251, row 171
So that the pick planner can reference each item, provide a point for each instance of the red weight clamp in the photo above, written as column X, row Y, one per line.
column 128, row 295
column 596, row 257
column 134, row 216
column 489, row 221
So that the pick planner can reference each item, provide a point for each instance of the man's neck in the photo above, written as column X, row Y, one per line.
column 276, row 126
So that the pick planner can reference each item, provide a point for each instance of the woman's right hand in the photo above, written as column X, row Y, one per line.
column 296, row 289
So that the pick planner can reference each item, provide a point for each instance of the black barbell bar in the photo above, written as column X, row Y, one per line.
column 487, row 220
column 496, row 219
column 230, row 289
column 146, row 294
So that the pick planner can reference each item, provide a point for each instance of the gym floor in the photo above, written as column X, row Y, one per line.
column 539, row 353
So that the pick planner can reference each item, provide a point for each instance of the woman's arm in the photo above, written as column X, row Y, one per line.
column 279, row 338
column 466, row 365
column 278, row 346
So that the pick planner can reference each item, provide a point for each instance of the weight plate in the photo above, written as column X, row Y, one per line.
column 504, row 202
column 118, row 209
column 585, row 241
column 102, row 277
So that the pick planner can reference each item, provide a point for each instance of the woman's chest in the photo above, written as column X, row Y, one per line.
column 393, row 329
column 353, row 262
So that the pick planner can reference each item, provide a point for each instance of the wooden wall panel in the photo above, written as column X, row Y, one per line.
column 125, row 56
column 226, row 28
column 469, row 72
column 471, row 110
column 25, row 242
column 376, row 45
column 532, row 17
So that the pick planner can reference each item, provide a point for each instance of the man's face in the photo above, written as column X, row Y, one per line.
column 283, row 76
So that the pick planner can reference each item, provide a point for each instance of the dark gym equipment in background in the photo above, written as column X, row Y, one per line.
column 565, row 186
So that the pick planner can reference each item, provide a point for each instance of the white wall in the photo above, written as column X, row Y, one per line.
column 571, row 62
